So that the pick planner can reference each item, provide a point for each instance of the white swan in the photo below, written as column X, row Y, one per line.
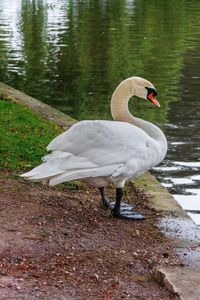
column 104, row 152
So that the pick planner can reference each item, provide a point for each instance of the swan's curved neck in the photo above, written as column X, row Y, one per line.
column 119, row 102
column 120, row 111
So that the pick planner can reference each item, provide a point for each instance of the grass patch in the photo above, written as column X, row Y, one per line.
column 24, row 136
column 74, row 185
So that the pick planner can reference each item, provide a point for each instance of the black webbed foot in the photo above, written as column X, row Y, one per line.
column 127, row 215
column 123, row 206
column 107, row 203
column 124, row 211
column 120, row 209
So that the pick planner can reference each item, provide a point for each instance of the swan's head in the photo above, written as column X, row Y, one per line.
column 145, row 89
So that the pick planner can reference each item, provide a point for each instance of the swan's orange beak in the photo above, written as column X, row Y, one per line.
column 153, row 100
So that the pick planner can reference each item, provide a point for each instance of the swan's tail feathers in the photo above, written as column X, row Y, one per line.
column 58, row 176
column 70, row 175
column 43, row 171
column 57, row 163
column 59, row 167
column 47, row 170
column 81, row 174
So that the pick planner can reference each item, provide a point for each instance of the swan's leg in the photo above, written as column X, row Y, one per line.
column 110, row 204
column 124, row 212
column 105, row 199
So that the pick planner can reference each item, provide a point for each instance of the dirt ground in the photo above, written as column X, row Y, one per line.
column 61, row 244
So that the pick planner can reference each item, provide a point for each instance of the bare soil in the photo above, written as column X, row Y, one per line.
column 61, row 244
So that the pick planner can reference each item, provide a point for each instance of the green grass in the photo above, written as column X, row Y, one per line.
column 24, row 136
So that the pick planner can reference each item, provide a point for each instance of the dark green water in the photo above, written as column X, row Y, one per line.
column 72, row 55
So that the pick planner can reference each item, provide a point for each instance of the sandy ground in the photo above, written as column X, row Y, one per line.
column 61, row 244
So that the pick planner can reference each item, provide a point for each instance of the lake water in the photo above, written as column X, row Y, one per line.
column 72, row 54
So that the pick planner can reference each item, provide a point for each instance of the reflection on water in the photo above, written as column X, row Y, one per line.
column 72, row 54
column 180, row 172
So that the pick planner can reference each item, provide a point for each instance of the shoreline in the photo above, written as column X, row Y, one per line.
column 175, row 222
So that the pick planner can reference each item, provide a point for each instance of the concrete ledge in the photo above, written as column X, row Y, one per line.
column 182, row 280
column 161, row 199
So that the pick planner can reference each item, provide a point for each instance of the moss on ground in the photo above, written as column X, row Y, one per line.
column 24, row 136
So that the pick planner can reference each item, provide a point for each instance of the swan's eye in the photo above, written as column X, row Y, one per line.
column 150, row 91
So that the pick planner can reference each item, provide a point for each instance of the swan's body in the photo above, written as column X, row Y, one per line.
column 104, row 152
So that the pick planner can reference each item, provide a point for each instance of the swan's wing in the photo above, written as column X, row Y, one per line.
column 95, row 149
column 102, row 142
